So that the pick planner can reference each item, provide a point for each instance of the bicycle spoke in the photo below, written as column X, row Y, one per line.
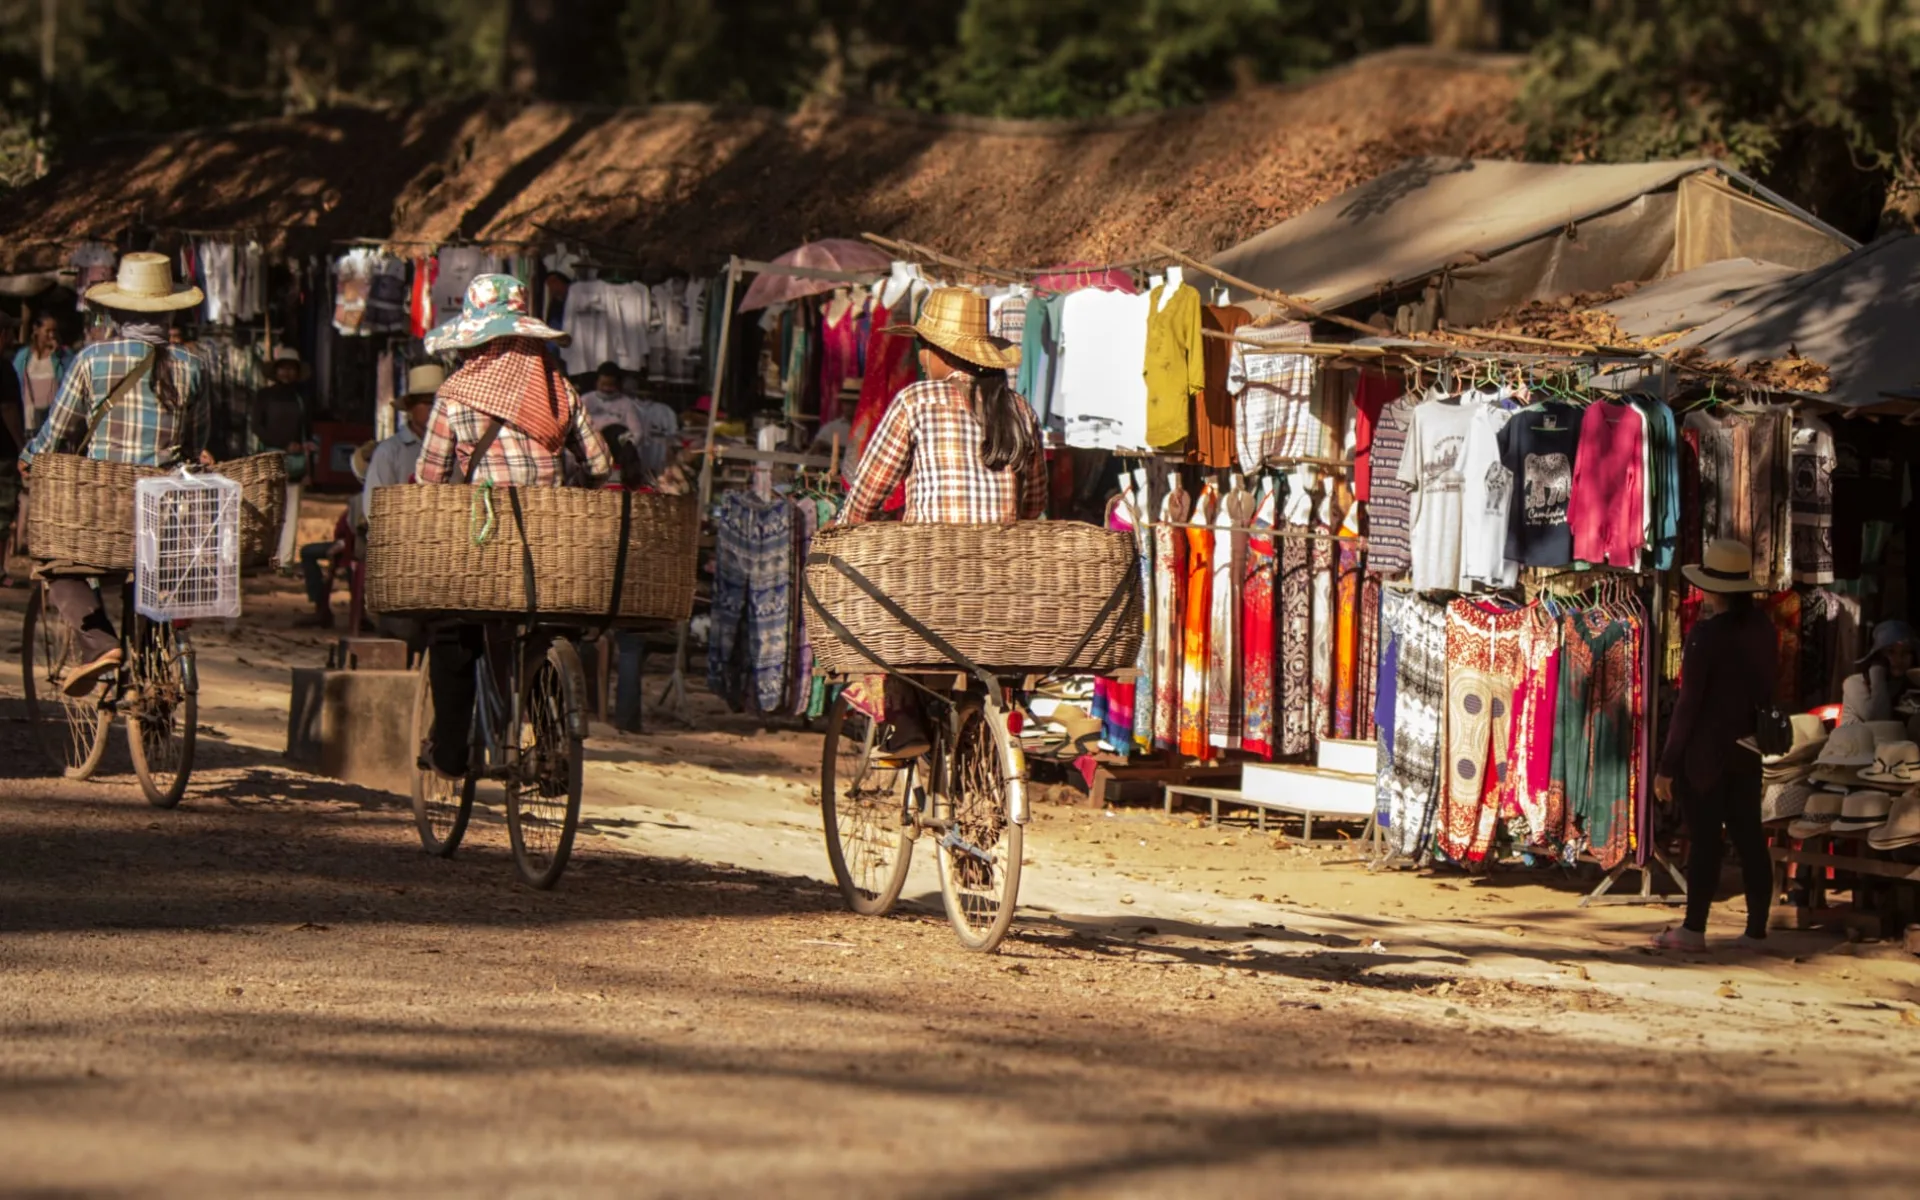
column 868, row 806
column 545, row 768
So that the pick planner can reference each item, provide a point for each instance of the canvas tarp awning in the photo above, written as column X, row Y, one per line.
column 1856, row 315
column 1693, row 298
column 1509, row 232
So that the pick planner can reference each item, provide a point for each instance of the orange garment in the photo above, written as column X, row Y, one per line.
column 1212, row 444
column 1198, row 613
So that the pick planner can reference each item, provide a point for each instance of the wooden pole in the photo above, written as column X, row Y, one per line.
column 911, row 250
column 719, row 379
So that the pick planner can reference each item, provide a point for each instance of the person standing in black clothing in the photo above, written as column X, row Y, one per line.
column 1727, row 671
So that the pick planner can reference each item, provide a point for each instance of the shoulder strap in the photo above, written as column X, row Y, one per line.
column 481, row 447
column 126, row 384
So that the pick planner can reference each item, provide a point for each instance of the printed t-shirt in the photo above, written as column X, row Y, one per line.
column 1540, row 447
column 1433, row 470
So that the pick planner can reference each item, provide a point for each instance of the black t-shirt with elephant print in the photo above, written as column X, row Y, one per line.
column 1539, row 446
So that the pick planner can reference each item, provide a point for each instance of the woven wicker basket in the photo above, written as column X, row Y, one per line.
column 1012, row 598
column 82, row 510
column 423, row 558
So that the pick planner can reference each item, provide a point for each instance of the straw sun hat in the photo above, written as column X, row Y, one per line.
column 955, row 319
column 1727, row 566
column 423, row 380
column 144, row 284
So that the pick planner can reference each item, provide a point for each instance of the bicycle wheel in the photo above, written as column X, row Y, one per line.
column 162, row 704
column 440, row 809
column 861, row 804
column 980, row 850
column 72, row 731
column 543, row 791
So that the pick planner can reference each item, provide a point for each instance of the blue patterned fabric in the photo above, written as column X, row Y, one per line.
column 752, row 603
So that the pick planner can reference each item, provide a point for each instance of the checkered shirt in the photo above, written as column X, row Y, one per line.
column 138, row 430
column 930, row 439
column 1274, row 417
column 514, row 459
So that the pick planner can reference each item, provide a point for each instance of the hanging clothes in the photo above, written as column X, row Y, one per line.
column 1390, row 501
column 1539, row 447
column 1293, row 672
column 1533, row 809
column 1226, row 712
column 1607, row 510
column 891, row 366
column 1198, row 614
column 1484, row 656
column 1347, row 595
column 1325, row 617
column 1419, row 690
column 752, row 600
column 1276, row 417
column 1169, row 631
column 1213, row 437
column 1113, row 699
column 1595, row 746
column 1812, row 501
column 1134, row 494
column 1175, row 367
column 1257, row 627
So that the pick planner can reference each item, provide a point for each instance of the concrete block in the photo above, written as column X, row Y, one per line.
column 369, row 654
column 354, row 726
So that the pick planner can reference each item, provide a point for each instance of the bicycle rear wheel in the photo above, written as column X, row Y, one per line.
column 72, row 731
column 861, row 805
column 441, row 809
column 162, row 706
column 980, row 850
column 543, row 790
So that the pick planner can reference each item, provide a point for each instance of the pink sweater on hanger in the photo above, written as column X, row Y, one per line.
column 1607, row 508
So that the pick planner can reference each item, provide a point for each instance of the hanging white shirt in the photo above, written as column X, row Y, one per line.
column 1102, row 388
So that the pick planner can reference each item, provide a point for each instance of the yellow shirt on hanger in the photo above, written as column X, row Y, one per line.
column 1175, row 367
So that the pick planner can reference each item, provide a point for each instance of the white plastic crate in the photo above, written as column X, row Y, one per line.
column 186, row 547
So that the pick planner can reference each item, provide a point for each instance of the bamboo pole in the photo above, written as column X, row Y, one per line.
column 905, row 249
column 1293, row 302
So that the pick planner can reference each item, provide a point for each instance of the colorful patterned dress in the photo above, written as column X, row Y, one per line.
column 1256, row 628
column 1169, row 591
column 1196, row 627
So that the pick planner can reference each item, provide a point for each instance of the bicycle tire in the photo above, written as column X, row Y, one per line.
column 72, row 732
column 543, row 790
column 438, row 816
column 879, row 883
column 980, row 851
column 162, row 703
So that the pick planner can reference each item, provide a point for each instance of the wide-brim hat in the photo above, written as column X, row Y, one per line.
column 495, row 307
column 1848, row 746
column 423, row 380
column 1894, row 762
column 1822, row 810
column 1902, row 827
column 362, row 459
column 956, row 320
column 1727, row 566
column 1784, row 801
column 1809, row 736
column 1843, row 777
column 1886, row 635
column 144, row 283
column 1862, row 811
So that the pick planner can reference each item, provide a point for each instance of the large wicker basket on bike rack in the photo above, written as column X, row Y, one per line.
column 1012, row 598
column 452, row 548
column 83, row 508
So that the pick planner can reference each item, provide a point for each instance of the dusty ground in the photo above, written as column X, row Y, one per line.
column 271, row 991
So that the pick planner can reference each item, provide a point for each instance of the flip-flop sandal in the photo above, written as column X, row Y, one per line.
column 1682, row 939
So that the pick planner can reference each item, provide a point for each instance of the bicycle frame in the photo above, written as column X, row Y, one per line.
column 495, row 714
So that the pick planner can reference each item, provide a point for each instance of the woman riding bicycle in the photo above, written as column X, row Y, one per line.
column 128, row 399
column 968, row 448
column 508, row 417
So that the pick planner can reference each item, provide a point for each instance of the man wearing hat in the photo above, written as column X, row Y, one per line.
column 394, row 458
column 965, row 444
column 129, row 398
column 1727, row 671
column 507, row 417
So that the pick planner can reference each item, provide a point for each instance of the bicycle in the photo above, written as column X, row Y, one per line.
column 529, row 733
column 973, row 800
column 156, row 687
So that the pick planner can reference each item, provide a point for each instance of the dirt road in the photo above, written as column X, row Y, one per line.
column 270, row 991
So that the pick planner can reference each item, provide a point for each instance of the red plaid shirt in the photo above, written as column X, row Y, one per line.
column 514, row 459
column 930, row 439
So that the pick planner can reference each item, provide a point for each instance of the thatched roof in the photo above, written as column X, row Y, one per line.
column 682, row 186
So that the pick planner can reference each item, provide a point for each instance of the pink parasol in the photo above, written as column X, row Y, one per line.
column 831, row 254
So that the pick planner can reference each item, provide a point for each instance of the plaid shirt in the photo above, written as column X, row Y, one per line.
column 1276, row 417
column 514, row 459
column 138, row 430
column 930, row 438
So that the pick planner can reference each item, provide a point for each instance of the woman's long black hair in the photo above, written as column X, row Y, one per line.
column 1007, row 440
